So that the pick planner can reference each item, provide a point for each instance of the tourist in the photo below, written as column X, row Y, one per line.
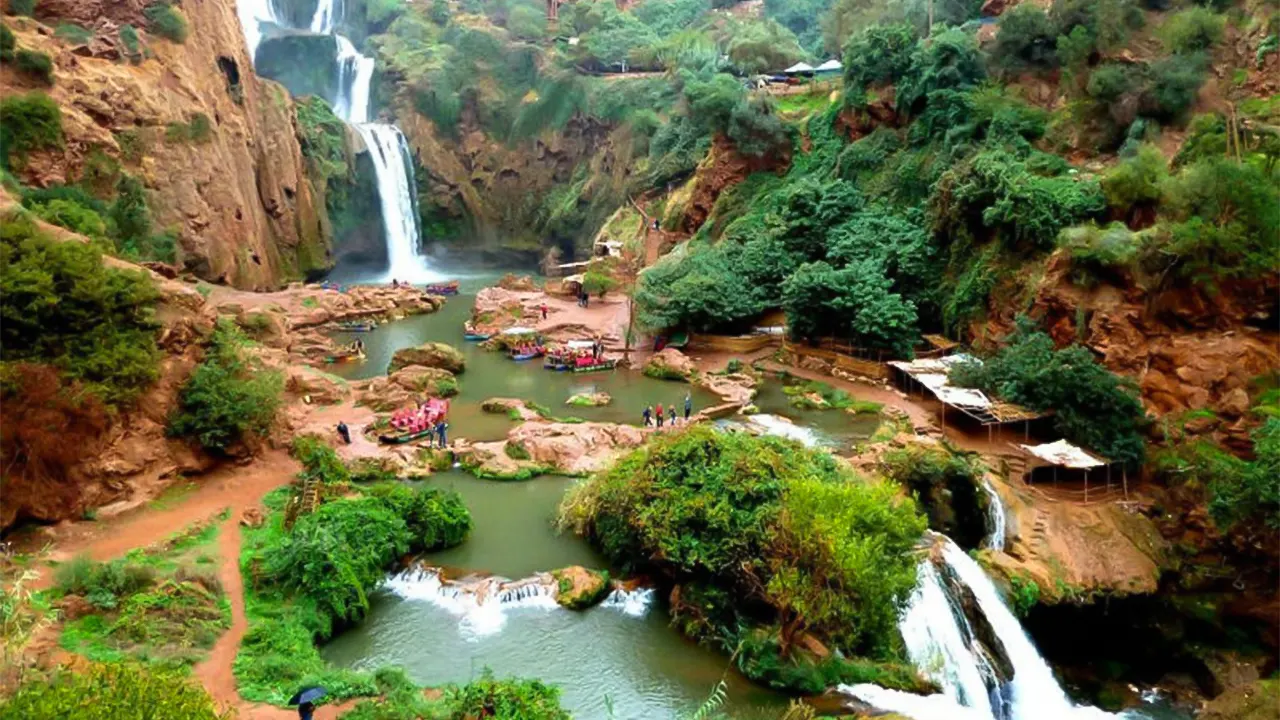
column 395, row 283
column 305, row 711
column 344, row 432
column 672, row 411
column 659, row 414
column 655, row 223
column 648, row 416
column 688, row 406
column 440, row 430
column 544, row 311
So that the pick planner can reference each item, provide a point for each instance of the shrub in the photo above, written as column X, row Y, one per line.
column 338, row 554
column 8, row 43
column 758, row 532
column 60, row 305
column 1097, row 250
column 319, row 461
column 28, row 122
column 228, row 396
column 487, row 696
column 436, row 519
column 1192, row 30
column 112, row 691
column 1026, row 39
column 132, row 43
column 73, row 33
column 35, row 64
column 166, row 21
column 197, row 129
column 72, row 216
column 104, row 584
column 947, row 486
column 1092, row 406
column 878, row 54
column 596, row 282
column 1136, row 181
column 1240, row 491
column 22, row 7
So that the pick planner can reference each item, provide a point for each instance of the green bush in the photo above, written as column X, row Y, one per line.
column 758, row 532
column 22, row 7
column 60, row 305
column 1092, row 406
column 947, row 485
column 8, row 43
column 337, row 555
column 73, row 33
column 197, row 129
column 132, row 43
column 228, row 396
column 1098, row 250
column 488, row 696
column 436, row 519
column 1026, row 40
column 166, row 21
column 114, row 692
column 35, row 64
column 1136, row 181
column 596, row 282
column 320, row 462
column 1241, row 492
column 879, row 54
column 28, row 122
column 1192, row 30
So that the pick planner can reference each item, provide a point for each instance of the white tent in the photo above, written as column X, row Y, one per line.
column 1064, row 454
column 518, row 330
column 799, row 67
column 829, row 66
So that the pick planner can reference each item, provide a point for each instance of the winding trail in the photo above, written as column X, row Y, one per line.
column 234, row 488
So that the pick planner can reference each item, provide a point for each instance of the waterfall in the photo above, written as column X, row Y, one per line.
column 940, row 643
column 355, row 72
column 630, row 602
column 253, row 13
column 394, row 172
column 995, row 518
column 326, row 17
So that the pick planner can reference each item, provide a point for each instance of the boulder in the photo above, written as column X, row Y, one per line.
column 432, row 355
column 739, row 388
column 513, row 408
column 404, row 387
column 575, row 448
column 578, row 588
column 670, row 364
column 589, row 399
column 316, row 386
column 522, row 283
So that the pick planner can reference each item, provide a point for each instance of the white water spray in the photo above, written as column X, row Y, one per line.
column 930, row 629
column 630, row 602
column 478, row 615
column 355, row 73
column 394, row 172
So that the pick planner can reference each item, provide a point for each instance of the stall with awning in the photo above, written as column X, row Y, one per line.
column 1074, row 460
column 933, row 374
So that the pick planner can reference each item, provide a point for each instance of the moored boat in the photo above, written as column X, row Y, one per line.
column 592, row 367
column 357, row 326
column 445, row 288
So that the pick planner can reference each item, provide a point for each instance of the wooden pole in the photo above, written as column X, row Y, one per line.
column 1124, row 475
column 1086, row 486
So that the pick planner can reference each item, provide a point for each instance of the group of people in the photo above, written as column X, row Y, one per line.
column 652, row 416
column 528, row 349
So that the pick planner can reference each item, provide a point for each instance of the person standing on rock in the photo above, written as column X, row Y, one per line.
column 344, row 432
column 441, row 427
column 659, row 414
column 648, row 416
column 544, row 311
column 672, row 412
column 688, row 406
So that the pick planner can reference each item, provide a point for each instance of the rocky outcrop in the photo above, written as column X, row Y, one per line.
column 578, row 588
column 537, row 448
column 737, row 388
column 314, row 386
column 239, row 200
column 497, row 309
column 521, row 283
column 722, row 168
column 670, row 364
column 513, row 408
column 405, row 387
column 597, row 399
column 433, row 355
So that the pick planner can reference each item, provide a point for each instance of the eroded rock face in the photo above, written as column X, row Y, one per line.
column 738, row 388
column 512, row 407
column 670, row 364
column 315, row 386
column 576, row 447
column 239, row 199
column 433, row 355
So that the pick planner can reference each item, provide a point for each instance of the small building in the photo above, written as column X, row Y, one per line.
column 800, row 69
column 828, row 69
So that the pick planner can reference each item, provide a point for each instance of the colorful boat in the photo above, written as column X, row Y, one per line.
column 475, row 337
column 345, row 357
column 535, row 353
column 447, row 288
column 593, row 367
column 415, row 423
column 357, row 326
column 402, row 438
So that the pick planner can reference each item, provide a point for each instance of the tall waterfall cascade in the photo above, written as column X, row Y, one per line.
column 386, row 144
column 940, row 642
column 995, row 518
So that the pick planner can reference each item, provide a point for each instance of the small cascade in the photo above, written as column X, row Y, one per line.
column 782, row 427
column 943, row 644
column 482, row 606
column 326, row 17
column 995, row 518
column 253, row 14
column 355, row 72
column 630, row 602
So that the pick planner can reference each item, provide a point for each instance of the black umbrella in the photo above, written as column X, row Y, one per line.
column 307, row 694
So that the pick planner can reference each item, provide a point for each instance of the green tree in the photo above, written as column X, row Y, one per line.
column 879, row 54
column 28, row 122
column 129, row 212
column 1192, row 30
column 1026, row 40
column 855, row 302
column 228, row 396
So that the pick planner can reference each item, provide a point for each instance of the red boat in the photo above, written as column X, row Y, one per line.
column 411, row 424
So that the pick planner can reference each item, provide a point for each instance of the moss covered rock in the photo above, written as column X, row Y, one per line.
column 578, row 588
column 590, row 399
